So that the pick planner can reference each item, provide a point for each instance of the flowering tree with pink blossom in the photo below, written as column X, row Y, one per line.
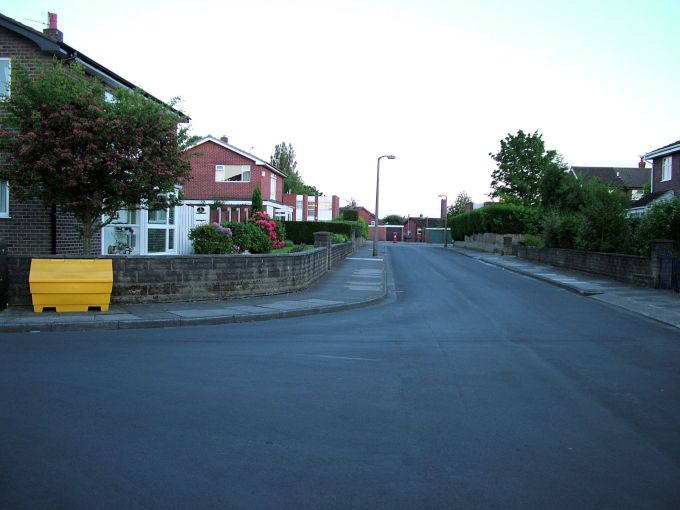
column 91, row 157
column 275, row 230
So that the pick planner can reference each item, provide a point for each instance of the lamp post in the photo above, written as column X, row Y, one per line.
column 446, row 220
column 377, row 197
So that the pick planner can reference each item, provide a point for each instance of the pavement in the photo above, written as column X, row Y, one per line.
column 360, row 280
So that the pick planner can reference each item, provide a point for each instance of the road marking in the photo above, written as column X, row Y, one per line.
column 356, row 258
column 339, row 357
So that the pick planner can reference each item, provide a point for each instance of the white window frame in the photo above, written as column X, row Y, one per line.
column 140, row 230
column 4, row 199
column 272, row 185
column 667, row 168
column 9, row 78
column 166, row 226
column 221, row 170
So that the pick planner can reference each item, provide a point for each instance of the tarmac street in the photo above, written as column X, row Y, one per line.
column 452, row 382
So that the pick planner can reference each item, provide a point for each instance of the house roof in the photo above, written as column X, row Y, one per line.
column 663, row 151
column 62, row 50
column 238, row 151
column 649, row 198
column 620, row 177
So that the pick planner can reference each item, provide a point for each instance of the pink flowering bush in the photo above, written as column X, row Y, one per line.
column 213, row 239
column 272, row 228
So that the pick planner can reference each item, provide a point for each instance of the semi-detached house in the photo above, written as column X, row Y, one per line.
column 31, row 228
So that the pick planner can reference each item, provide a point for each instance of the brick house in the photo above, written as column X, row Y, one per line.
column 665, row 177
column 224, row 177
column 31, row 228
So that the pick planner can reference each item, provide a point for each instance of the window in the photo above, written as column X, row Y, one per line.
column 272, row 191
column 232, row 173
column 4, row 200
column 311, row 208
column 5, row 73
column 161, row 231
column 121, row 236
column 299, row 204
column 667, row 168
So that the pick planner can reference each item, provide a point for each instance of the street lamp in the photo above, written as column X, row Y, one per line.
column 446, row 220
column 377, row 196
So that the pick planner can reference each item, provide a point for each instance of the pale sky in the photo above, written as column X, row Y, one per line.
column 438, row 83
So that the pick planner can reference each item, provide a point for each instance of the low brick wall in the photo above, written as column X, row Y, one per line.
column 625, row 268
column 149, row 279
column 488, row 242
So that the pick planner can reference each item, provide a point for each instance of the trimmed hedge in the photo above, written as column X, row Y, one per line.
column 350, row 215
column 498, row 218
column 303, row 231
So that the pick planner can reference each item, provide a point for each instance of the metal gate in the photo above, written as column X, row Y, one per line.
column 669, row 272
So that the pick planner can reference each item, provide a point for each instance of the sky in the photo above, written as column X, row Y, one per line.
column 437, row 83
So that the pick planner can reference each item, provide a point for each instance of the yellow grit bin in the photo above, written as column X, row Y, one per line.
column 71, row 285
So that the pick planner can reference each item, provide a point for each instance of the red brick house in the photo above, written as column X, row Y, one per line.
column 31, row 228
column 223, row 177
column 665, row 177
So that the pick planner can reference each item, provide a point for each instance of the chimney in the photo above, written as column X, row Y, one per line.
column 52, row 32
column 224, row 139
column 641, row 164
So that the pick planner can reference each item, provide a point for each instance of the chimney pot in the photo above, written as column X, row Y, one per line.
column 641, row 164
column 224, row 139
column 53, row 32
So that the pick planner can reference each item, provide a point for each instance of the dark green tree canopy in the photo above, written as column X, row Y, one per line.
column 284, row 160
column 90, row 157
column 393, row 219
column 521, row 161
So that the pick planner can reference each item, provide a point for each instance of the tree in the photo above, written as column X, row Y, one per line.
column 256, row 200
column 352, row 203
column 284, row 160
column 393, row 219
column 88, row 156
column 521, row 161
column 458, row 207
column 559, row 190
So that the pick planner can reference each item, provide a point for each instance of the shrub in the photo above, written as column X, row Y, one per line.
column 249, row 237
column 350, row 215
column 531, row 240
column 603, row 226
column 212, row 239
column 662, row 221
column 339, row 238
column 362, row 228
column 560, row 230
column 298, row 248
column 303, row 231
column 273, row 229
column 497, row 218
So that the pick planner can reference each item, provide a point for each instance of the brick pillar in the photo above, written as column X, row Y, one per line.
column 323, row 240
column 660, row 262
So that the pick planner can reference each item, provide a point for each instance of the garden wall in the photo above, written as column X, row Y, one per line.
column 151, row 279
column 492, row 243
column 625, row 268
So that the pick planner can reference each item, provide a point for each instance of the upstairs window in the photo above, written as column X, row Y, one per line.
column 232, row 173
column 5, row 73
column 667, row 168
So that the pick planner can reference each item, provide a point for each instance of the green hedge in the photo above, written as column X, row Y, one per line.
column 350, row 215
column 303, row 231
column 498, row 218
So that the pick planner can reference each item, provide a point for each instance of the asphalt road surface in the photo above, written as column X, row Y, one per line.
column 468, row 387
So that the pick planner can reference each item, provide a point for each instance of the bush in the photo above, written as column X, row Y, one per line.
column 339, row 238
column 350, row 215
column 560, row 230
column 303, row 231
column 497, row 218
column 662, row 221
column 362, row 228
column 212, row 239
column 249, row 237
column 603, row 226
column 531, row 240
column 272, row 228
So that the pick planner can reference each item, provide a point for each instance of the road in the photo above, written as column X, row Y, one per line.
column 469, row 387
